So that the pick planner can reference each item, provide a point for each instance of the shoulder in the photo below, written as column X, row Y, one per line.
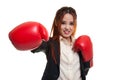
column 51, row 39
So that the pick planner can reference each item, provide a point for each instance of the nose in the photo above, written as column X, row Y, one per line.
column 67, row 26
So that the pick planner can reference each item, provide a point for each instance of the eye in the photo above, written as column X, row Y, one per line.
column 71, row 23
column 63, row 22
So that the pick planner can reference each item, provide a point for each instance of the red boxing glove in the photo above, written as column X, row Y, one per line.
column 84, row 44
column 28, row 35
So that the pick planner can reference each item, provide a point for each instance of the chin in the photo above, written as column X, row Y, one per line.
column 66, row 36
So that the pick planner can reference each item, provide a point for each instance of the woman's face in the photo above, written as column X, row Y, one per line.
column 67, row 26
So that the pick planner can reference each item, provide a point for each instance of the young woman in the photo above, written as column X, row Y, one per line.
column 67, row 58
column 63, row 63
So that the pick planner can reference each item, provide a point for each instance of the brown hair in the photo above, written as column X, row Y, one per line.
column 55, row 31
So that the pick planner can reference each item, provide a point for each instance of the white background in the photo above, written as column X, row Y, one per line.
column 100, row 19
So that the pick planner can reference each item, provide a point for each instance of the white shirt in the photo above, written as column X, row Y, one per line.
column 69, row 62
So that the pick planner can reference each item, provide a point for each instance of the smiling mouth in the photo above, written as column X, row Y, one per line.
column 66, row 32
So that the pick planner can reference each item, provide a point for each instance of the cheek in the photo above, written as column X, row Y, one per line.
column 72, row 28
column 61, row 28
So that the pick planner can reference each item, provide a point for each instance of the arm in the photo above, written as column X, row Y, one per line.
column 42, row 47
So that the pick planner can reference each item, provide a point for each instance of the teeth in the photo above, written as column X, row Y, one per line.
column 66, row 32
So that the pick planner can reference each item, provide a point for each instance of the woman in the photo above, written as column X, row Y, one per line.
column 63, row 63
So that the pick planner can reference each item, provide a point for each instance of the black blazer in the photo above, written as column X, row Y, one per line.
column 52, row 69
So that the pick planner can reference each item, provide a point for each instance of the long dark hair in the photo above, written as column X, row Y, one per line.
column 55, row 31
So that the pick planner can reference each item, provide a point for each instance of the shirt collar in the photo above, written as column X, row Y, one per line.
column 65, row 41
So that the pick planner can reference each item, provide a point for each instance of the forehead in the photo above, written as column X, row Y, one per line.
column 68, row 17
